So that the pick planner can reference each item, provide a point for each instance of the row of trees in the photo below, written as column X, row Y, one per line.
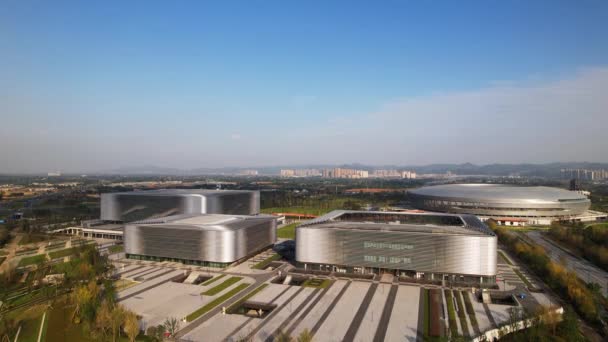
column 591, row 242
column 565, row 282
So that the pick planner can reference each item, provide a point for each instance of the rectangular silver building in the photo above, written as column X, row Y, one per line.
column 446, row 247
column 204, row 240
column 142, row 205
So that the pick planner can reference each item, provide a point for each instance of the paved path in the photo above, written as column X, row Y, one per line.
column 369, row 323
column 386, row 314
column 258, row 280
column 583, row 268
column 402, row 323
column 356, row 321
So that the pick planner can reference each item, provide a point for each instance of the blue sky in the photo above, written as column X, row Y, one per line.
column 188, row 84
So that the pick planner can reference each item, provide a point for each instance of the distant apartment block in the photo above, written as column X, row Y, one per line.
column 408, row 174
column 585, row 174
column 345, row 173
column 300, row 173
column 248, row 173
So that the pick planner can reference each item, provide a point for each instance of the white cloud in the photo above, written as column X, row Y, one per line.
column 235, row 136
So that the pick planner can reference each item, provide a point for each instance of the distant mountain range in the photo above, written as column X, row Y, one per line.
column 528, row 170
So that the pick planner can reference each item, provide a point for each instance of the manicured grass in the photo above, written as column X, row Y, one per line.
column 34, row 238
column 462, row 315
column 32, row 260
column 224, row 285
column 264, row 263
column 209, row 306
column 427, row 313
column 317, row 283
column 63, row 253
column 212, row 280
column 287, row 232
column 45, row 327
column 235, row 308
column 451, row 313
column 116, row 249
column 123, row 284
column 523, row 278
column 469, row 306
column 507, row 260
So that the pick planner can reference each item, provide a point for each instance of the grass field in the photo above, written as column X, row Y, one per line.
column 427, row 313
column 234, row 308
column 32, row 260
column 221, row 287
column 216, row 302
column 317, row 283
column 212, row 280
column 264, row 263
column 287, row 232
column 470, row 311
column 451, row 313
column 123, row 284
column 462, row 315
column 63, row 253
column 116, row 249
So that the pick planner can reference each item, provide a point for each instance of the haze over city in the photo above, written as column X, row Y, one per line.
column 87, row 88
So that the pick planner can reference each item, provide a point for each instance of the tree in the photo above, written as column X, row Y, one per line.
column 283, row 336
column 305, row 336
column 172, row 326
column 117, row 319
column 131, row 325
column 103, row 318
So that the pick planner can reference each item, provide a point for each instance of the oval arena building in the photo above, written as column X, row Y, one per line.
column 507, row 204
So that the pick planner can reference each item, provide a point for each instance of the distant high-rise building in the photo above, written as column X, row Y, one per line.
column 345, row 173
column 408, row 174
column 584, row 174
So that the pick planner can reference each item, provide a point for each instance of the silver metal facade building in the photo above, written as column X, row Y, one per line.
column 205, row 240
column 142, row 205
column 455, row 248
column 537, row 204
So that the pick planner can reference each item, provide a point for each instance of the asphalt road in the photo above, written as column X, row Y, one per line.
column 583, row 268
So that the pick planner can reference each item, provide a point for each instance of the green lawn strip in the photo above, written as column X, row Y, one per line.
column 264, row 263
column 45, row 327
column 212, row 280
column 32, row 260
column 317, row 283
column 451, row 313
column 505, row 258
column 462, row 315
column 287, row 232
column 116, row 249
column 63, row 253
column 523, row 278
column 234, row 308
column 427, row 313
column 209, row 306
column 219, row 288
column 469, row 306
column 29, row 329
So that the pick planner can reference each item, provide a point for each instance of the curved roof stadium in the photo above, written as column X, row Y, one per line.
column 501, row 201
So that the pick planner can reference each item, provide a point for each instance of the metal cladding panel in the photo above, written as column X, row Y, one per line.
column 193, row 243
column 415, row 251
column 500, row 200
column 137, row 206
column 240, row 203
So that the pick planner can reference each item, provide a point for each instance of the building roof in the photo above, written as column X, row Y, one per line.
column 434, row 223
column 205, row 222
column 181, row 192
column 499, row 193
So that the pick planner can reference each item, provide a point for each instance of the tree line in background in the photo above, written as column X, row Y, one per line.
column 564, row 282
column 591, row 242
